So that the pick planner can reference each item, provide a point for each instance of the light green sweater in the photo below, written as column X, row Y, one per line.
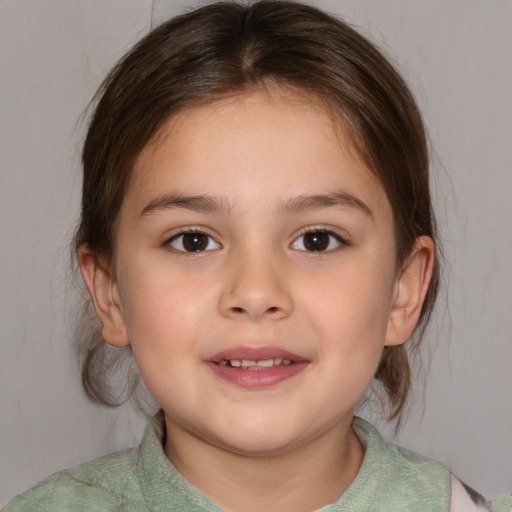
column 143, row 479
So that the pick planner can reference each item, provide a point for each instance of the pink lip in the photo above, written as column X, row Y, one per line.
column 255, row 353
column 254, row 379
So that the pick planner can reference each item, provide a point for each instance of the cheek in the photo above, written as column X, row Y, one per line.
column 157, row 298
column 158, row 322
column 350, row 310
column 167, row 313
column 353, row 335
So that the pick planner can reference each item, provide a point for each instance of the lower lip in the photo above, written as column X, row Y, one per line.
column 255, row 379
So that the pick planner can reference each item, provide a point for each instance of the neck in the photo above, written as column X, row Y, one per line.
column 306, row 478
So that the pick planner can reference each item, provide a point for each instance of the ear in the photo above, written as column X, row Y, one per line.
column 410, row 290
column 102, row 286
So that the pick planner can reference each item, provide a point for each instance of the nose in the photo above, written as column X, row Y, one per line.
column 255, row 289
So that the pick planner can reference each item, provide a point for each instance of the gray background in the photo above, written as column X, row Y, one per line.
column 457, row 57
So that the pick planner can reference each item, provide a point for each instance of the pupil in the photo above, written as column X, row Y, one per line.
column 193, row 242
column 317, row 241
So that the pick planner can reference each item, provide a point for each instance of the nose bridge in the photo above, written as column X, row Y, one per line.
column 256, row 286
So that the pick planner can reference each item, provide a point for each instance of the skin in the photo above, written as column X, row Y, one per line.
column 257, row 283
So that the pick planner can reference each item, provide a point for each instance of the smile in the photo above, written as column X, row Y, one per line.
column 249, row 364
column 256, row 368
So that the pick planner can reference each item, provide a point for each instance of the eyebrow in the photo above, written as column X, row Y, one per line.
column 330, row 200
column 207, row 204
column 199, row 203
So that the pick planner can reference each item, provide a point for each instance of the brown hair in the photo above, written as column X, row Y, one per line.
column 224, row 49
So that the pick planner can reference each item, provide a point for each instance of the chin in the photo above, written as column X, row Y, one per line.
column 268, row 440
column 259, row 447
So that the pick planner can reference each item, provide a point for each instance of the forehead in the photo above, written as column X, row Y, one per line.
column 259, row 106
column 291, row 141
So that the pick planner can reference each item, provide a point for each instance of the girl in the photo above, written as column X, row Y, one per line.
column 256, row 232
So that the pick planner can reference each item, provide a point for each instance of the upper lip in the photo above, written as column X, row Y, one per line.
column 255, row 354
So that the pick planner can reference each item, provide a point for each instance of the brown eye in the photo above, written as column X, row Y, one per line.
column 193, row 242
column 318, row 241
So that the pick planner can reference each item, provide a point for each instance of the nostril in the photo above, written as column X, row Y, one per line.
column 237, row 310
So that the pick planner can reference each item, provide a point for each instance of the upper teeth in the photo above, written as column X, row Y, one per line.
column 251, row 363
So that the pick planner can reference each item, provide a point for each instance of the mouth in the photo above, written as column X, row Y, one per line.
column 250, row 364
column 252, row 368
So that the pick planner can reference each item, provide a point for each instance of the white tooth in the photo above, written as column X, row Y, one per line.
column 278, row 361
column 287, row 361
column 236, row 363
column 223, row 363
column 248, row 362
column 265, row 362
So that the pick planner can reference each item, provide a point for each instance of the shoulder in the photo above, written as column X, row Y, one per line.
column 503, row 504
column 400, row 464
column 393, row 478
column 404, row 480
column 465, row 499
column 107, row 483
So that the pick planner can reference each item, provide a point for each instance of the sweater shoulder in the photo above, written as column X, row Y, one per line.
column 104, row 484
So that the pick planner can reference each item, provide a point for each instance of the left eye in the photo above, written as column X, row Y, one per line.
column 193, row 242
column 318, row 241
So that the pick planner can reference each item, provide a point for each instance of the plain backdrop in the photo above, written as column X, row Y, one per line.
column 457, row 56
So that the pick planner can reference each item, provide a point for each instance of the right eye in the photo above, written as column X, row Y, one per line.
column 318, row 240
column 192, row 241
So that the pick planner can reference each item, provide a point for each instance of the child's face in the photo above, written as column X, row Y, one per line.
column 250, row 232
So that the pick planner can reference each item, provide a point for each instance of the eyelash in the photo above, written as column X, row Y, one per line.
column 191, row 231
column 333, row 238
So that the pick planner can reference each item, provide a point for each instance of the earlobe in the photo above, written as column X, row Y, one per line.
column 102, row 287
column 411, row 288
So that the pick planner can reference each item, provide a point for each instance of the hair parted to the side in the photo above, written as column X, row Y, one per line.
column 225, row 49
